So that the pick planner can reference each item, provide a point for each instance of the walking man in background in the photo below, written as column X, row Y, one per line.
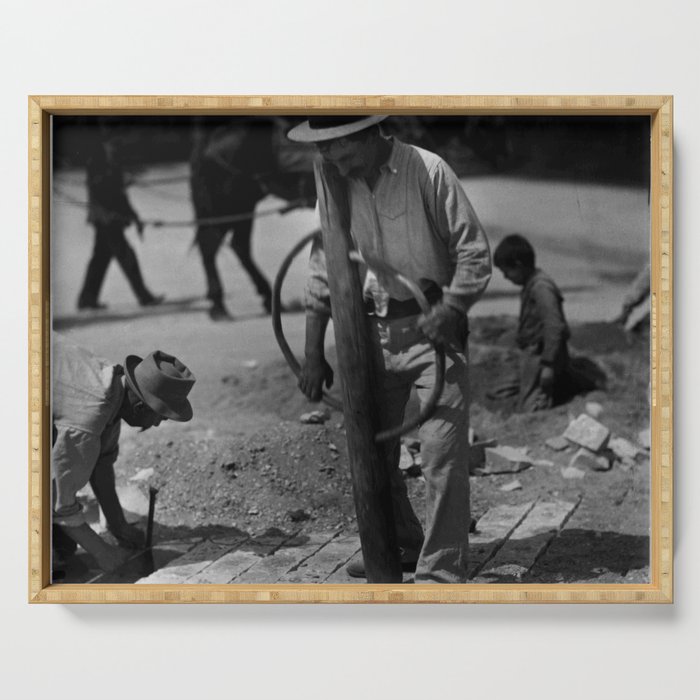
column 110, row 212
column 407, row 208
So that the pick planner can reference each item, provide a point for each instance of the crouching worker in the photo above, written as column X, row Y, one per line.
column 91, row 396
column 543, row 379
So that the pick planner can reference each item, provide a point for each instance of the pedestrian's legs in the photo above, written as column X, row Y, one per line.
column 96, row 269
column 127, row 260
column 444, row 453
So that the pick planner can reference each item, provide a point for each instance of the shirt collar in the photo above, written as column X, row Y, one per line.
column 391, row 165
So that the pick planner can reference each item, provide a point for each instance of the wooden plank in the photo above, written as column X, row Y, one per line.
column 492, row 530
column 235, row 561
column 341, row 575
column 289, row 556
column 229, row 566
column 162, row 554
column 326, row 561
column 519, row 553
column 191, row 563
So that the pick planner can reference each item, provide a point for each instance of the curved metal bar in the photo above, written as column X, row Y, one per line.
column 277, row 317
column 377, row 265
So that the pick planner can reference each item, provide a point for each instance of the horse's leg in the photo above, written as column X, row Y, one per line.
column 241, row 244
column 209, row 240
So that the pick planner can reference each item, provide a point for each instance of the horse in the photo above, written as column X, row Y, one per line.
column 234, row 164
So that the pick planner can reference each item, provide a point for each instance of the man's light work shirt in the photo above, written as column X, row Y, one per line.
column 419, row 220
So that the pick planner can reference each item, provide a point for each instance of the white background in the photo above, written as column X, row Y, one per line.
column 363, row 47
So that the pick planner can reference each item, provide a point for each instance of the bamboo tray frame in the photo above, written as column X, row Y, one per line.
column 660, row 110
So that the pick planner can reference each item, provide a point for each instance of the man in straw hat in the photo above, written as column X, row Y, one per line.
column 408, row 208
column 91, row 396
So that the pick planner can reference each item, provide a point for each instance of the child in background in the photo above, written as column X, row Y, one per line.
column 542, row 335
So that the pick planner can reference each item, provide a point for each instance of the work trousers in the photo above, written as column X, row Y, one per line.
column 404, row 358
column 110, row 242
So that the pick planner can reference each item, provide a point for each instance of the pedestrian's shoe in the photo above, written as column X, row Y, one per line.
column 84, row 305
column 152, row 300
column 356, row 568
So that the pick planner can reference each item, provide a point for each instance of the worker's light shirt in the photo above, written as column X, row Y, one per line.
column 87, row 396
column 419, row 220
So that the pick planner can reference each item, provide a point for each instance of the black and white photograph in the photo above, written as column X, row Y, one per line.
column 349, row 349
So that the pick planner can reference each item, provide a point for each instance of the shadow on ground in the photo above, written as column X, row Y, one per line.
column 169, row 544
column 577, row 556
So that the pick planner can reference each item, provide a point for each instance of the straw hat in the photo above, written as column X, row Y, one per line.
column 325, row 128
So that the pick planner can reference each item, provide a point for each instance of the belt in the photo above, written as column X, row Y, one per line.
column 409, row 307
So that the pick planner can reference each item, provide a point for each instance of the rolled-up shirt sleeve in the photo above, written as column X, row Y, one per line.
column 317, row 298
column 460, row 228
column 73, row 459
column 109, row 441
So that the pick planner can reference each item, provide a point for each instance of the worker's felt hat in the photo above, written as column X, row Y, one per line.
column 325, row 128
column 162, row 382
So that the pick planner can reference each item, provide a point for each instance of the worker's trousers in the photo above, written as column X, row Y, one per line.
column 404, row 358
column 110, row 242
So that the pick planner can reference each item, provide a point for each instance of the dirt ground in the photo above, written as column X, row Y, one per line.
column 247, row 463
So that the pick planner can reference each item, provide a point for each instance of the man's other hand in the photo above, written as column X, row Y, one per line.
column 440, row 324
column 314, row 373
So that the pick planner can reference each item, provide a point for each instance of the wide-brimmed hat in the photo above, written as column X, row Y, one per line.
column 162, row 382
column 331, row 127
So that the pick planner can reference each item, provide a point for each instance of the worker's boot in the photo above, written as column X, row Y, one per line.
column 356, row 568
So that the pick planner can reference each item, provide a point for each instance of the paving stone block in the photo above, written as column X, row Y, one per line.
column 585, row 459
column 315, row 417
column 505, row 460
column 587, row 432
column 557, row 443
column 623, row 449
column 572, row 473
column 594, row 409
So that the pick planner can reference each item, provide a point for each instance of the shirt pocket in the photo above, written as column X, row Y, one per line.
column 391, row 202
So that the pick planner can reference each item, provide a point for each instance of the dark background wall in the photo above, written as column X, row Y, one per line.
column 602, row 149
